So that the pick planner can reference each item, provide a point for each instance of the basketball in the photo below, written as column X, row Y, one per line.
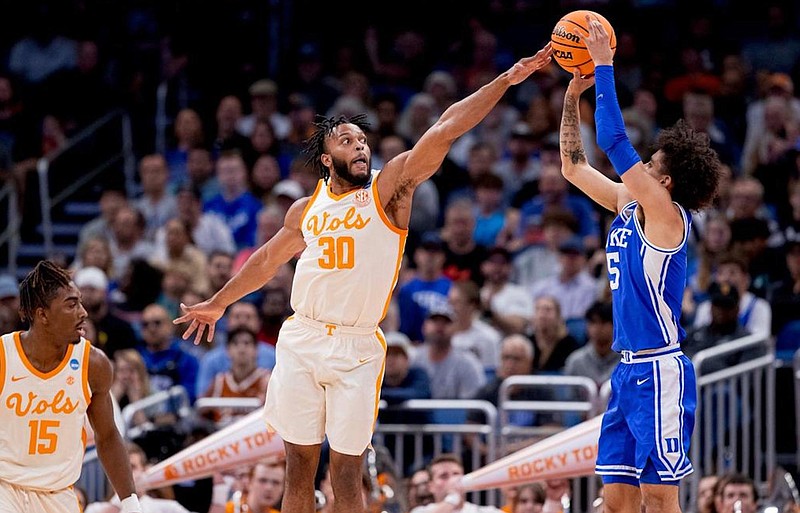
column 569, row 49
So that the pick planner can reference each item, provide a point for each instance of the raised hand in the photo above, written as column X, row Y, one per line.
column 527, row 65
column 202, row 316
column 579, row 84
column 598, row 42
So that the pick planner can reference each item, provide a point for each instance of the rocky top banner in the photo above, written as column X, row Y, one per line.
column 241, row 443
column 570, row 453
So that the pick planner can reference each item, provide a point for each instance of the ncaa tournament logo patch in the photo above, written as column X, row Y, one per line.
column 361, row 198
column 73, row 364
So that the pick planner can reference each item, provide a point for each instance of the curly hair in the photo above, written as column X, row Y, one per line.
column 314, row 146
column 693, row 165
column 40, row 287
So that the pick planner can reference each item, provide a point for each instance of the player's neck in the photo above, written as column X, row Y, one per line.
column 41, row 350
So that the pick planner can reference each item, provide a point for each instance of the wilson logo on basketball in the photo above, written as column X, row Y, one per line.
column 361, row 198
column 560, row 31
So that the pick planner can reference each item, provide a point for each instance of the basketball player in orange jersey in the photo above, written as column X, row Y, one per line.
column 51, row 378
column 351, row 232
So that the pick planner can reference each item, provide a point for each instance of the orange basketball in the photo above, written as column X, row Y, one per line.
column 569, row 49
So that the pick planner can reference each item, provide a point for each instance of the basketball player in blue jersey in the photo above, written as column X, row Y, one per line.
column 644, row 440
column 350, row 235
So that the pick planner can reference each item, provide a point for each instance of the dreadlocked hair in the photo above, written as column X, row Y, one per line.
column 39, row 288
column 315, row 145
column 693, row 165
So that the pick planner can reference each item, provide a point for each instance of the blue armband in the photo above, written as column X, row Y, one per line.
column 611, row 136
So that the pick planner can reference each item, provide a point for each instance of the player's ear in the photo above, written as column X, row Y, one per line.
column 666, row 181
column 325, row 158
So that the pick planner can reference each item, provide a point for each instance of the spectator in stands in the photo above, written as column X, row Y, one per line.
column 463, row 256
column 418, row 489
column 111, row 201
column 573, row 287
column 428, row 288
column 167, row 363
column 131, row 381
column 470, row 333
column 490, row 215
column 716, row 238
column 506, row 305
column 243, row 379
column 555, row 491
column 736, row 488
column 535, row 261
column 519, row 164
column 112, row 332
column 200, row 167
column 176, row 282
column 179, row 248
column 265, row 487
column 157, row 203
column 723, row 326
column 226, row 138
column 275, row 308
column 9, row 303
column 208, row 231
column 755, row 313
column 446, row 471
column 94, row 252
column 454, row 374
column 401, row 381
column 187, row 134
column 552, row 342
column 705, row 494
column 220, row 270
column 747, row 203
column 128, row 242
column 528, row 498
column 240, row 315
column 150, row 504
column 698, row 111
column 554, row 193
column 765, row 264
column 262, row 143
column 264, row 107
column 516, row 359
column 235, row 204
column 265, row 173
column 595, row 360
column 786, row 296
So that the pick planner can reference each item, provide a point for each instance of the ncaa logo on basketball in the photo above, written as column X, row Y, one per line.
column 361, row 198
column 73, row 364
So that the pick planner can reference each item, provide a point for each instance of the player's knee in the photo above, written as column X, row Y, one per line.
column 660, row 499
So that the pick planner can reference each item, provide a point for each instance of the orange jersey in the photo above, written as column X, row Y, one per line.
column 349, row 268
column 42, row 436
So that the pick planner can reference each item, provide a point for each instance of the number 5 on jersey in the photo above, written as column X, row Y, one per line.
column 43, row 440
column 337, row 252
column 613, row 271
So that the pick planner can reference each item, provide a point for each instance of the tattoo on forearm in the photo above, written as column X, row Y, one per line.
column 571, row 144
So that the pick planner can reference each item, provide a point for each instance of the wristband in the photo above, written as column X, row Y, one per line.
column 611, row 136
column 130, row 505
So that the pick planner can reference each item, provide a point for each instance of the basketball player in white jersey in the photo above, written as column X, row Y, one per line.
column 51, row 378
column 351, row 233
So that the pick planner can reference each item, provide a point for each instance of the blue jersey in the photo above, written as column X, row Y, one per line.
column 647, row 284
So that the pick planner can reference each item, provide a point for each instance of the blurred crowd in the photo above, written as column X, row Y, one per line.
column 504, row 272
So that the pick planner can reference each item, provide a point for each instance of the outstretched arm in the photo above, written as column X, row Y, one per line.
column 664, row 222
column 257, row 270
column 419, row 163
column 574, row 165
column 110, row 448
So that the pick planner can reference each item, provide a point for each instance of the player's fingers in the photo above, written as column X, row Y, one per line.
column 189, row 330
column 210, row 336
column 182, row 319
column 199, row 334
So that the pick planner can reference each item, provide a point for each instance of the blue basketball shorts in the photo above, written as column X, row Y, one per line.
column 648, row 424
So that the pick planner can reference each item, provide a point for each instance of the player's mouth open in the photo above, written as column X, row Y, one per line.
column 81, row 329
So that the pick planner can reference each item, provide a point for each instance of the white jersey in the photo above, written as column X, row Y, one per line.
column 42, row 436
column 349, row 268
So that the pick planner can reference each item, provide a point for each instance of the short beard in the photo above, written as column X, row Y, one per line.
column 342, row 171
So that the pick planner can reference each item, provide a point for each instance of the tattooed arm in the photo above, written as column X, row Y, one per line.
column 574, row 166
